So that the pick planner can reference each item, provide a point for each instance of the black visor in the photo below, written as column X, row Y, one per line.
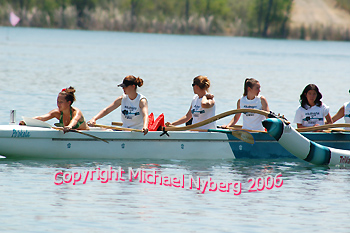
column 126, row 83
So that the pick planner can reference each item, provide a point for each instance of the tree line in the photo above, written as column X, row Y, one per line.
column 259, row 18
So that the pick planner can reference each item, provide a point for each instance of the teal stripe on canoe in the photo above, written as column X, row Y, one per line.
column 318, row 154
column 274, row 126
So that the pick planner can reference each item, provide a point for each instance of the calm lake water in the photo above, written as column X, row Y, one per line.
column 35, row 64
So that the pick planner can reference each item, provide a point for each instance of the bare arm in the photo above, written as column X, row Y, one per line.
column 107, row 110
column 339, row 114
column 52, row 114
column 182, row 120
column 208, row 101
column 265, row 105
column 329, row 119
column 235, row 118
column 144, row 108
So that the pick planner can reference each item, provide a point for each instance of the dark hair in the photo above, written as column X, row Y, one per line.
column 303, row 100
column 202, row 81
column 249, row 82
column 131, row 79
column 68, row 94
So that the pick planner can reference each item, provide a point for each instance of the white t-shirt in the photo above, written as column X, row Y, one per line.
column 131, row 114
column 311, row 115
column 252, row 121
column 200, row 114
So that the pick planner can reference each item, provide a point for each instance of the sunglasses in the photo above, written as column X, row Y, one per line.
column 193, row 84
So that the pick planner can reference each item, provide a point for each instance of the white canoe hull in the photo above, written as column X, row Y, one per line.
column 35, row 142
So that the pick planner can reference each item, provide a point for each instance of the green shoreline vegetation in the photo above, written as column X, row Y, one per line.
column 345, row 4
column 254, row 18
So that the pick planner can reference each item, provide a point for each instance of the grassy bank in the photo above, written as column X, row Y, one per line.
column 258, row 18
column 266, row 18
column 344, row 4
column 320, row 32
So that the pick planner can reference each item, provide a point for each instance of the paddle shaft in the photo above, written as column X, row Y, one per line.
column 322, row 127
column 248, row 130
column 86, row 134
column 118, row 128
column 335, row 130
column 240, row 134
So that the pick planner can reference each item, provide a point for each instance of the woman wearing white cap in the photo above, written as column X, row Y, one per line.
column 134, row 107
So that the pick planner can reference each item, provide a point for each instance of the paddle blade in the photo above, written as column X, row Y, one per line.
column 244, row 136
column 35, row 122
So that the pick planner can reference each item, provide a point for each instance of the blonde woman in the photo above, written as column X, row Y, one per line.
column 202, row 106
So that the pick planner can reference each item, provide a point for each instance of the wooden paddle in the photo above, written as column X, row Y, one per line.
column 215, row 118
column 38, row 123
column 248, row 130
column 86, row 134
column 240, row 134
column 336, row 130
column 118, row 128
column 322, row 127
column 117, row 123
column 234, row 127
column 243, row 135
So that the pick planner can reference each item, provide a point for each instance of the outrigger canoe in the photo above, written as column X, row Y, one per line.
column 44, row 141
column 37, row 142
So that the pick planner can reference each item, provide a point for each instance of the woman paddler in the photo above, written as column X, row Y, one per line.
column 250, row 99
column 69, row 117
column 202, row 106
column 134, row 107
column 312, row 112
